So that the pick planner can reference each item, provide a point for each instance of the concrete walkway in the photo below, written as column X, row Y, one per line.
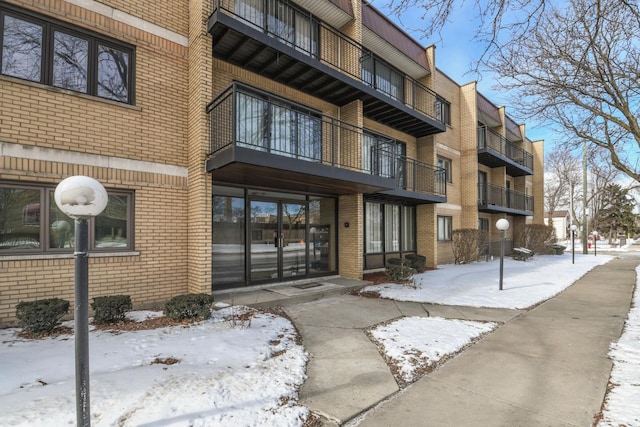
column 546, row 366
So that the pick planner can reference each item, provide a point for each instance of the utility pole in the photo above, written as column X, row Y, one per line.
column 584, row 197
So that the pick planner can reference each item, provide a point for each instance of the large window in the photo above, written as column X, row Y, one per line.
column 444, row 228
column 228, row 236
column 382, row 76
column 30, row 221
column 389, row 228
column 41, row 50
column 277, row 127
column 382, row 156
column 281, row 20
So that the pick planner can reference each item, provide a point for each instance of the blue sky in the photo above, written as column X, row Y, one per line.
column 456, row 51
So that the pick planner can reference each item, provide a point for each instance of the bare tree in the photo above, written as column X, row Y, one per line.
column 579, row 69
column 574, row 64
column 562, row 171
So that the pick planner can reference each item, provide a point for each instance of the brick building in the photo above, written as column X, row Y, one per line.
column 241, row 142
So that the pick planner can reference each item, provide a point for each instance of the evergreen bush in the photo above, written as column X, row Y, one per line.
column 41, row 316
column 109, row 309
column 417, row 262
column 398, row 270
column 189, row 307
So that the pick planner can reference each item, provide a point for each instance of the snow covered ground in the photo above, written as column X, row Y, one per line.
column 232, row 373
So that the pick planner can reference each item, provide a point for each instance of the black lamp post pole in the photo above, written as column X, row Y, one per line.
column 501, row 257
column 81, row 318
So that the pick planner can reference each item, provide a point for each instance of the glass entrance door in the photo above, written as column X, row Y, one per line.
column 278, row 244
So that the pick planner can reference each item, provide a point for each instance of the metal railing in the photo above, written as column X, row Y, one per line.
column 488, row 138
column 489, row 194
column 305, row 33
column 249, row 118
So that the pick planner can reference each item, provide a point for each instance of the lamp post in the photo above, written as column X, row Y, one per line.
column 573, row 247
column 81, row 197
column 595, row 244
column 503, row 225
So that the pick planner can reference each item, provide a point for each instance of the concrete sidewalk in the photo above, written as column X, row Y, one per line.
column 546, row 366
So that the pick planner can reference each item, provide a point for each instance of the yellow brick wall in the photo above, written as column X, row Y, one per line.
column 426, row 234
column 199, row 199
column 169, row 14
column 154, row 130
column 151, row 130
column 152, row 273
column 350, row 239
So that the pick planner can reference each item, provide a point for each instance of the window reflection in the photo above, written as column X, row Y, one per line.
column 228, row 237
column 70, row 62
column 21, row 49
column 19, row 218
column 111, row 224
column 113, row 72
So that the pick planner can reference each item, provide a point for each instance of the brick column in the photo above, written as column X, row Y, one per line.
column 199, row 205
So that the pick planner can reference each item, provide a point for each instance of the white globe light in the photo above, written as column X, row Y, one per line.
column 502, row 224
column 574, row 227
column 81, row 197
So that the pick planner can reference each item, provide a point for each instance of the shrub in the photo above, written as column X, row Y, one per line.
column 417, row 262
column 537, row 237
column 110, row 309
column 399, row 271
column 189, row 307
column 468, row 244
column 41, row 316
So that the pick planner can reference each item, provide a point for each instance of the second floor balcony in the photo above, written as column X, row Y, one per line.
column 279, row 41
column 258, row 139
column 495, row 199
column 494, row 150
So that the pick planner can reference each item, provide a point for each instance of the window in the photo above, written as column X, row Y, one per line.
column 389, row 228
column 382, row 76
column 41, row 50
column 443, row 111
column 289, row 25
column 381, row 156
column 277, row 127
column 483, row 224
column 444, row 228
column 30, row 221
column 445, row 164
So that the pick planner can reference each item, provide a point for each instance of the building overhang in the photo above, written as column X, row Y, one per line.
column 248, row 167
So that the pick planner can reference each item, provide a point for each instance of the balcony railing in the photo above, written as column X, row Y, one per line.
column 248, row 118
column 305, row 34
column 487, row 138
column 494, row 195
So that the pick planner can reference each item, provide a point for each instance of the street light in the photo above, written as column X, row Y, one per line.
column 503, row 225
column 595, row 244
column 573, row 247
column 81, row 197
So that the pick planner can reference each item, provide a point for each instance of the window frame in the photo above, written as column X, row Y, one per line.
column 445, row 225
column 378, row 73
column 446, row 164
column 443, row 111
column 95, row 40
column 46, row 204
column 303, row 125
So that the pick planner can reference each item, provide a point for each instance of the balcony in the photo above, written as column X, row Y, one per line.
column 258, row 139
column 494, row 199
column 290, row 46
column 494, row 151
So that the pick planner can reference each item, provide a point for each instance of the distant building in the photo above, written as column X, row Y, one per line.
column 561, row 221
